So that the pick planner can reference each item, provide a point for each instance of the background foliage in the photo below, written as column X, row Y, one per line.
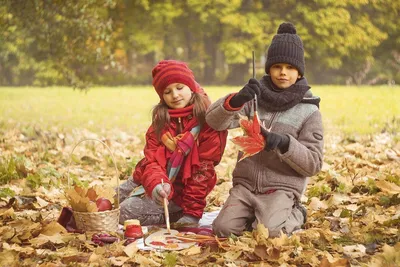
column 114, row 42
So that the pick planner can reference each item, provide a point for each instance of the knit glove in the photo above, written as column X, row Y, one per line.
column 246, row 94
column 188, row 219
column 275, row 140
column 160, row 192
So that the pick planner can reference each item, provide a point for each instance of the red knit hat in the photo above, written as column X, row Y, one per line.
column 172, row 71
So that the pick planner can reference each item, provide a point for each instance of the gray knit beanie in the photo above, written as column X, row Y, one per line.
column 286, row 47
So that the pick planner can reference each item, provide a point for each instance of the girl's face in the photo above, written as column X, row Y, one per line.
column 283, row 75
column 177, row 95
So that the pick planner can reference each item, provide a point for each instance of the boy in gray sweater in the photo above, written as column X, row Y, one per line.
column 267, row 186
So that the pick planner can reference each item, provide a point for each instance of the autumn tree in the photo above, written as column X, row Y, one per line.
column 54, row 42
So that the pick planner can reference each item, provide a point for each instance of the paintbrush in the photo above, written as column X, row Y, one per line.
column 166, row 212
column 195, row 238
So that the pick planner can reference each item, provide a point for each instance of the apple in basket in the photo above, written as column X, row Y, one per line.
column 103, row 204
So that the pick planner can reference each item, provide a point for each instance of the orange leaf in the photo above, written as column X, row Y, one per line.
column 252, row 142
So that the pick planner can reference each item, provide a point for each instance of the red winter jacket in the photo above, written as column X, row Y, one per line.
column 188, row 192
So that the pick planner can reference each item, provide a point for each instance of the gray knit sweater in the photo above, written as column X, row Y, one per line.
column 272, row 170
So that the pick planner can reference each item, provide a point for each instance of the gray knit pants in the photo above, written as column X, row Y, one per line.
column 143, row 208
column 243, row 210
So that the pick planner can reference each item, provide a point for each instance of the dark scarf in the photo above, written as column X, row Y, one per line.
column 275, row 99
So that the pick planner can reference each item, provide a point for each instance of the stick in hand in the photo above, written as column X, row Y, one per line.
column 166, row 212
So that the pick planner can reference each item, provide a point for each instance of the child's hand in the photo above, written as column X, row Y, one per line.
column 247, row 93
column 160, row 192
column 275, row 140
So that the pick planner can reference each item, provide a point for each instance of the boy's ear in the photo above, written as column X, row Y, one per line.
column 299, row 76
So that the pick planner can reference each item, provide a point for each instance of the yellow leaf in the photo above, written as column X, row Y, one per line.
column 262, row 231
column 53, row 228
column 8, row 214
column 43, row 239
column 40, row 203
column 94, row 257
column 105, row 191
column 338, row 263
column 17, row 248
column 193, row 250
column 388, row 187
column 317, row 204
column 118, row 261
column 91, row 207
column 145, row 261
column 355, row 251
column 233, row 255
column 80, row 191
column 8, row 258
column 131, row 249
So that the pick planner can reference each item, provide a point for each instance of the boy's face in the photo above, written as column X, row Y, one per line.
column 283, row 75
column 177, row 95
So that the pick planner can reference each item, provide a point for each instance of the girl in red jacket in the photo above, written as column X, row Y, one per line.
column 180, row 153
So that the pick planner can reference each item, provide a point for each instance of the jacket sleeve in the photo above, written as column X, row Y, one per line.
column 305, row 155
column 220, row 116
column 211, row 148
column 149, row 172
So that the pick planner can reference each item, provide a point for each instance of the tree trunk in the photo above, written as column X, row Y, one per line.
column 211, row 41
column 238, row 74
column 210, row 45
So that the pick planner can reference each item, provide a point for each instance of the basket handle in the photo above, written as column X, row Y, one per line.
column 113, row 159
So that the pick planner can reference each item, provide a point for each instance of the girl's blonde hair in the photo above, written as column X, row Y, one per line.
column 161, row 118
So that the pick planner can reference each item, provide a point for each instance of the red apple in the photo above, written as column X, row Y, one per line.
column 103, row 204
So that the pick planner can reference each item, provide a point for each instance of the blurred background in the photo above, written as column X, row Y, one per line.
column 117, row 42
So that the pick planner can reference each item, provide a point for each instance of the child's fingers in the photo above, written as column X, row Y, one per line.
column 167, row 189
column 162, row 194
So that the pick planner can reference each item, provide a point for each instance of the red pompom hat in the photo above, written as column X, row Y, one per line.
column 172, row 71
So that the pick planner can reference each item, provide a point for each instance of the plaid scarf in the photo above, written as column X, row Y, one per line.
column 180, row 146
column 181, row 150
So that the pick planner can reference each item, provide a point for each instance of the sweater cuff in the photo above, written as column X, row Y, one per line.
column 227, row 106
column 284, row 144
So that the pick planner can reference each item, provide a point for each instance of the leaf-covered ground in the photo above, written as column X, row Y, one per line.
column 353, row 205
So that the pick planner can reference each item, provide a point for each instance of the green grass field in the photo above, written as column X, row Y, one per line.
column 357, row 110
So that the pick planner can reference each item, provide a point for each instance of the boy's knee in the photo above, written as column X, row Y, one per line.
column 275, row 232
column 223, row 228
column 220, row 229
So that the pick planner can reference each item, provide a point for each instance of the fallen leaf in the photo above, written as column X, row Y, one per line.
column 193, row 250
column 317, row 204
column 118, row 261
column 43, row 239
column 355, row 251
column 388, row 187
column 338, row 263
column 53, row 228
column 232, row 255
column 8, row 258
column 131, row 249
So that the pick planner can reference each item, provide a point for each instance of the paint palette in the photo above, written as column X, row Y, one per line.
column 166, row 241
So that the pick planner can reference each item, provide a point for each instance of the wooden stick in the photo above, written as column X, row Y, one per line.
column 254, row 76
column 194, row 239
column 166, row 212
column 254, row 64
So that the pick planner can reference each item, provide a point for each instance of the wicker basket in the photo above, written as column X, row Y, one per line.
column 102, row 220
